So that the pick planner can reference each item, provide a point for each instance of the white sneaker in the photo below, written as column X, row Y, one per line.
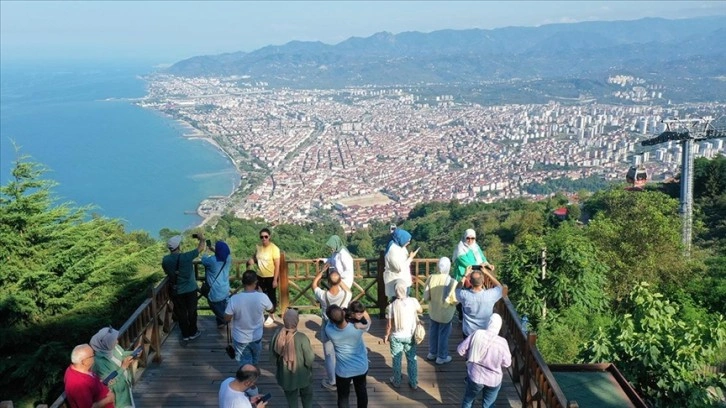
column 327, row 385
column 431, row 356
column 443, row 360
column 269, row 321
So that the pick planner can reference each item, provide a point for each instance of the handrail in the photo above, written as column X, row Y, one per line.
column 149, row 325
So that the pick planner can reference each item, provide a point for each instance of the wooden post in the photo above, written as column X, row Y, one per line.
column 382, row 300
column 155, row 331
column 527, row 372
column 284, row 285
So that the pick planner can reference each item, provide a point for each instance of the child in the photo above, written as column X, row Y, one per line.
column 357, row 314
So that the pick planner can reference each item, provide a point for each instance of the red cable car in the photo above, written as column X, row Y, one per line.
column 637, row 177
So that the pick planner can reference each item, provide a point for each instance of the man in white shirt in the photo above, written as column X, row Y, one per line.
column 232, row 390
column 338, row 296
column 246, row 311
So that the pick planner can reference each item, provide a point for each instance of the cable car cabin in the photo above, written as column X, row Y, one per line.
column 636, row 177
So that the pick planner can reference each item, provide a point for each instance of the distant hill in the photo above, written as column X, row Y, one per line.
column 652, row 46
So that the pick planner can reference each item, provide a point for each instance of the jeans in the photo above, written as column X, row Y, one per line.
column 488, row 394
column 439, row 339
column 361, row 393
column 329, row 354
column 266, row 285
column 306, row 397
column 248, row 353
column 218, row 310
column 398, row 349
column 185, row 311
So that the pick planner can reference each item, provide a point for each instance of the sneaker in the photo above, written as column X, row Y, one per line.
column 327, row 385
column 431, row 357
column 443, row 360
column 221, row 326
column 413, row 386
column 194, row 336
column 394, row 383
column 269, row 321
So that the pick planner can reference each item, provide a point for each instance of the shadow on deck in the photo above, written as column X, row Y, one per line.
column 190, row 375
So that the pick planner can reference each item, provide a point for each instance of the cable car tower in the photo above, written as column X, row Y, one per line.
column 686, row 131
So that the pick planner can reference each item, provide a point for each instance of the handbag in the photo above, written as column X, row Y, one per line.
column 419, row 332
column 229, row 349
column 206, row 288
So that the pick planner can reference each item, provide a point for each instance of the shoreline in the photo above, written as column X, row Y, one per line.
column 190, row 132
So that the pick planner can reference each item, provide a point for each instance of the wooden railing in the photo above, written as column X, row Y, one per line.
column 149, row 325
column 152, row 321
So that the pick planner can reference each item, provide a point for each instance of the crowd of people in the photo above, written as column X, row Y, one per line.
column 99, row 377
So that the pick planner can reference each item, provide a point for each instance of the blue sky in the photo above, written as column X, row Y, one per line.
column 167, row 31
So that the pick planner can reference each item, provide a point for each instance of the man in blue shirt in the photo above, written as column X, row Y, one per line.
column 179, row 267
column 477, row 302
column 217, row 268
column 351, row 357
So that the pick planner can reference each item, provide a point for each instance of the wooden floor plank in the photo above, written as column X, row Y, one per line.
column 189, row 376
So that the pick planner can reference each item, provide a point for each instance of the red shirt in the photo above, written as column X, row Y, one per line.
column 83, row 390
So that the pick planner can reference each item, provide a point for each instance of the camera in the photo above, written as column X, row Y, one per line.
column 476, row 268
column 209, row 244
column 195, row 236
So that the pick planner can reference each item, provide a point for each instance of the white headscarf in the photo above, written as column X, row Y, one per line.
column 444, row 265
column 398, row 306
column 104, row 341
column 462, row 248
column 484, row 339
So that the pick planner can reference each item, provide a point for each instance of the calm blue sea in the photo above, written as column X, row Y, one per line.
column 131, row 163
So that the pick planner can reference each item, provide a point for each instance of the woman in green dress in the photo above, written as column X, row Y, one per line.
column 111, row 357
column 293, row 356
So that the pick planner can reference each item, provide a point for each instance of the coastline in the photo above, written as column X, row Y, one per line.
column 212, row 206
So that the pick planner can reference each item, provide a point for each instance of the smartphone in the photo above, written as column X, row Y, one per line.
column 195, row 236
column 137, row 352
column 209, row 243
column 476, row 267
column 110, row 377
column 266, row 397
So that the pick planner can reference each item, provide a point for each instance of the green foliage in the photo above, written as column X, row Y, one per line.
column 639, row 237
column 663, row 356
column 563, row 334
column 574, row 274
column 592, row 183
column 65, row 275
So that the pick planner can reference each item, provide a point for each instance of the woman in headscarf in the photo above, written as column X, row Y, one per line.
column 216, row 274
column 398, row 262
column 440, row 293
column 340, row 260
column 402, row 315
column 468, row 253
column 111, row 357
column 294, row 359
column 486, row 353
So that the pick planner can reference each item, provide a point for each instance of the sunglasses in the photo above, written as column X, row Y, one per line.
column 470, row 238
column 264, row 236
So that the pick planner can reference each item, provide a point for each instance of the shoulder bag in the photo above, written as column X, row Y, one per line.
column 206, row 288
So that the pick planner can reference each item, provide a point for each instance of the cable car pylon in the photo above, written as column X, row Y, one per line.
column 686, row 131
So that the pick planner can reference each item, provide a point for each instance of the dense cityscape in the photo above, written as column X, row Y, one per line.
column 373, row 153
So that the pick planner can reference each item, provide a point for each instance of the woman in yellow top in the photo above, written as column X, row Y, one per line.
column 267, row 258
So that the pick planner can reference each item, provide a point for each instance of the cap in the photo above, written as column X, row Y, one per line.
column 174, row 242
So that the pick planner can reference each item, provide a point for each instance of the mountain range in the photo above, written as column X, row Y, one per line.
column 647, row 47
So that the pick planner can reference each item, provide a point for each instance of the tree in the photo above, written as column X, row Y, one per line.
column 659, row 353
column 639, row 237
column 64, row 275
column 573, row 273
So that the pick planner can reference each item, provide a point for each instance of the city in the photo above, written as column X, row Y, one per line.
column 374, row 153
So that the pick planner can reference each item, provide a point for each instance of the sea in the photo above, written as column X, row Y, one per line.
column 129, row 163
